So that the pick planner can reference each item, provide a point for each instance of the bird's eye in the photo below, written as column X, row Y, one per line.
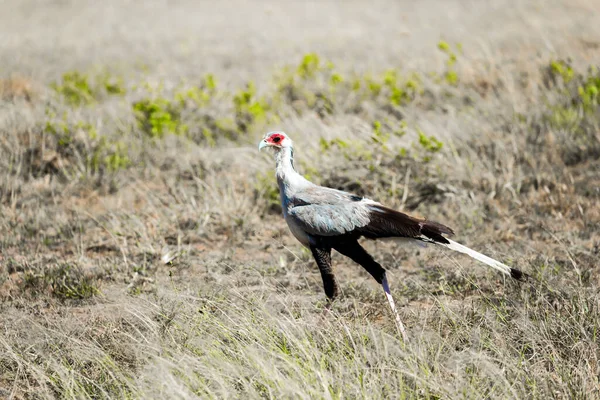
column 276, row 139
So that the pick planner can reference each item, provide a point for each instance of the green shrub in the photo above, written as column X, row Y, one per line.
column 312, row 85
column 248, row 108
column 75, row 88
column 159, row 116
column 588, row 91
column 450, row 75
column 429, row 143
column 561, row 70
column 576, row 93
column 573, row 109
column 79, row 89
column 309, row 66
column 378, row 135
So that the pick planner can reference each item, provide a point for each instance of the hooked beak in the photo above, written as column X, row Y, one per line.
column 262, row 145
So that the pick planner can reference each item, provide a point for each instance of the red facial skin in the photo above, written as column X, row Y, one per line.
column 275, row 139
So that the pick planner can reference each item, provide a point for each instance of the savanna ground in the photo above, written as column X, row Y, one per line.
column 143, row 253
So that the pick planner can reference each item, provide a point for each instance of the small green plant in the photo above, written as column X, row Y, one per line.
column 378, row 135
column 75, row 88
column 397, row 96
column 589, row 91
column 573, row 109
column 578, row 92
column 309, row 171
column 429, row 143
column 560, row 69
column 335, row 79
column 312, row 85
column 397, row 89
column 352, row 150
column 209, row 83
column 401, row 130
column 450, row 76
column 80, row 89
column 248, row 108
column 158, row 116
column 373, row 85
column 309, row 66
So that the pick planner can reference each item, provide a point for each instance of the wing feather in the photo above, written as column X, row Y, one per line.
column 329, row 212
column 330, row 219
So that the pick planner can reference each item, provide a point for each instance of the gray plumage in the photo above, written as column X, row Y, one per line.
column 327, row 212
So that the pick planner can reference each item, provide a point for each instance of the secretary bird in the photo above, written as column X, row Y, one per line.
column 322, row 219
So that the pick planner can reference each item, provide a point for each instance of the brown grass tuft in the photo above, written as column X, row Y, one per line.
column 18, row 88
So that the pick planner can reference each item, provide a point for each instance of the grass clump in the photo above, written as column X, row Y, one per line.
column 64, row 281
column 68, row 281
column 17, row 87
column 76, row 148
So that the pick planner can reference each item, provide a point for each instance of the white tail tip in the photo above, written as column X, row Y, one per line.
column 515, row 273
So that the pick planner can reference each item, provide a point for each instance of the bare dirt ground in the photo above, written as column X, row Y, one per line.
column 142, row 250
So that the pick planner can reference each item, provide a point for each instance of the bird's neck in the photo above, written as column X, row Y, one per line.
column 286, row 174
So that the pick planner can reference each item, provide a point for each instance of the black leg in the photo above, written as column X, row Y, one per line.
column 355, row 251
column 322, row 256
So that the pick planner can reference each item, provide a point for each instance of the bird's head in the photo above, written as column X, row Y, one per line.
column 276, row 140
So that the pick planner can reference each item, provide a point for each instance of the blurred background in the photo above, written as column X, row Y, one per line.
column 142, row 249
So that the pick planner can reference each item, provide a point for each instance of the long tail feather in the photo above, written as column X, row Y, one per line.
column 514, row 273
column 387, row 223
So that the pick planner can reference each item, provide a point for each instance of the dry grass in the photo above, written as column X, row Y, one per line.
column 17, row 88
column 142, row 251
